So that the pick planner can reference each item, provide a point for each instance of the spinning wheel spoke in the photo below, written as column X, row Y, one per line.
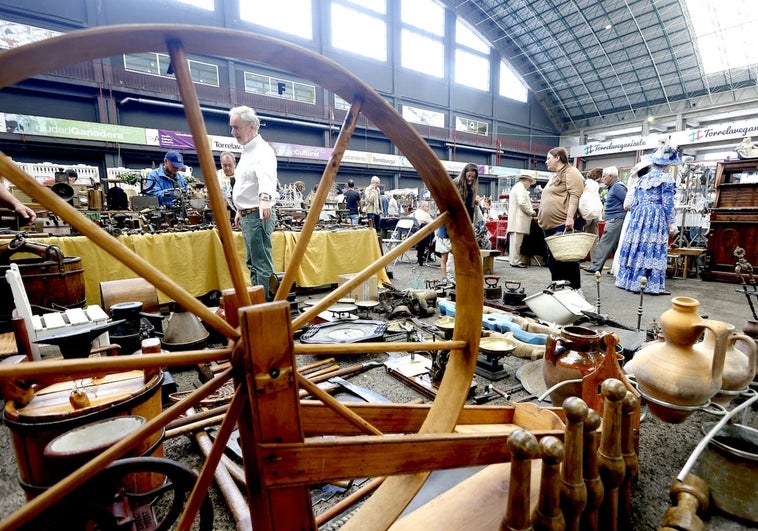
column 269, row 379
column 207, row 164
column 212, row 460
column 327, row 181
column 112, row 245
column 364, row 348
column 338, row 407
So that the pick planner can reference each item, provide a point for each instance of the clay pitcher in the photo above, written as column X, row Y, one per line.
column 739, row 364
column 751, row 329
column 675, row 378
column 570, row 356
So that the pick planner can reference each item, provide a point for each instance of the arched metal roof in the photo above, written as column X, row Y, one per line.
column 605, row 63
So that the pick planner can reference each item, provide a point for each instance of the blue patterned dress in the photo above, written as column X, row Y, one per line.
column 644, row 248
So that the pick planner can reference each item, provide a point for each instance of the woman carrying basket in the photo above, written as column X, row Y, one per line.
column 558, row 209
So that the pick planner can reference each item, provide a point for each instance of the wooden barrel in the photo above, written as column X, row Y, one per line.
column 129, row 290
column 50, row 279
column 71, row 450
column 50, row 414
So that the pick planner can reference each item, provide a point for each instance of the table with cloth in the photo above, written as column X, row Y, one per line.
column 195, row 260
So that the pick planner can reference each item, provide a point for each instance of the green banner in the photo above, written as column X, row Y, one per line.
column 56, row 127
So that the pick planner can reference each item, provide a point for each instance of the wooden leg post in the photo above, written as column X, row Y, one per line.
column 573, row 490
column 266, row 353
column 629, row 407
column 612, row 466
column 591, row 472
column 548, row 516
column 523, row 446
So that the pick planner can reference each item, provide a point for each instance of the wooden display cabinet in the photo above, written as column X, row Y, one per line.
column 734, row 219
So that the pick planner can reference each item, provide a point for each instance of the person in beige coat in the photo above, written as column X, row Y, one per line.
column 520, row 214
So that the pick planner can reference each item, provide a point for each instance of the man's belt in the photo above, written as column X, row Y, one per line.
column 245, row 211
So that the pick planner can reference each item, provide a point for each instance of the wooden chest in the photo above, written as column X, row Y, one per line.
column 734, row 219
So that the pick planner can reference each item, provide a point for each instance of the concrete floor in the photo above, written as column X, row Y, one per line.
column 718, row 300
column 664, row 448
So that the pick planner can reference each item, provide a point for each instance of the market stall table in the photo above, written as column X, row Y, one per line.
column 195, row 260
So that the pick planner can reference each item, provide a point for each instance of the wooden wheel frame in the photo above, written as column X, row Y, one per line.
column 277, row 433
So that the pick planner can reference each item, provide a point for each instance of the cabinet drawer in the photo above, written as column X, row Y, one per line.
column 748, row 215
column 737, row 196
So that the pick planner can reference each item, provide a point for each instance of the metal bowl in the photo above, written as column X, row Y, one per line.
column 445, row 324
column 729, row 465
column 496, row 345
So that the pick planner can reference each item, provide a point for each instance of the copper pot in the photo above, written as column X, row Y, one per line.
column 94, row 199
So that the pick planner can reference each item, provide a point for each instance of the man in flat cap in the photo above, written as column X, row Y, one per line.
column 165, row 182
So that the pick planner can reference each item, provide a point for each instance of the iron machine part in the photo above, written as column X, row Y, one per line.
column 345, row 332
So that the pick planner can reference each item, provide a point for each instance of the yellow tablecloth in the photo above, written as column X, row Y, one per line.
column 195, row 260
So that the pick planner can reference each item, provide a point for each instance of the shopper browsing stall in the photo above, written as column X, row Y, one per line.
column 558, row 210
column 165, row 182
column 253, row 194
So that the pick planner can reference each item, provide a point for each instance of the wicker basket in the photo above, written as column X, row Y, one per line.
column 570, row 246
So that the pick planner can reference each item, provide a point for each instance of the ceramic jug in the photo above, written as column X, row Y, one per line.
column 739, row 364
column 675, row 378
column 576, row 352
column 751, row 329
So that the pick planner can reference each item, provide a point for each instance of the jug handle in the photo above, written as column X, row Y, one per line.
column 722, row 331
column 554, row 346
column 752, row 349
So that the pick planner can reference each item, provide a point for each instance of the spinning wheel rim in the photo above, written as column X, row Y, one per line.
column 21, row 63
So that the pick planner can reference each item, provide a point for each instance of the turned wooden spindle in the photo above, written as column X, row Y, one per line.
column 573, row 490
column 643, row 283
column 591, row 471
column 151, row 345
column 612, row 467
column 547, row 515
column 523, row 447
column 690, row 498
column 629, row 407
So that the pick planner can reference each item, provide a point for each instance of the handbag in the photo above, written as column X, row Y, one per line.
column 590, row 206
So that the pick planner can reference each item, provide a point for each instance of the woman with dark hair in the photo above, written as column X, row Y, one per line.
column 467, row 184
column 558, row 210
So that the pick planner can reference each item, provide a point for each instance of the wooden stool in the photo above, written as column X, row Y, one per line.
column 488, row 260
column 686, row 252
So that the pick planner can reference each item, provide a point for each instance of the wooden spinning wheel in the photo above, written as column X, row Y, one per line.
column 275, row 429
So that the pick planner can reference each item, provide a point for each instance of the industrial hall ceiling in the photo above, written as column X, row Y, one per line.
column 605, row 63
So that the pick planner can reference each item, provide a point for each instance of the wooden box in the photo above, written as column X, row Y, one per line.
column 366, row 291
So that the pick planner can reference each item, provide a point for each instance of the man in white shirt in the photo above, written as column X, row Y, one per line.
column 226, row 179
column 253, row 194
